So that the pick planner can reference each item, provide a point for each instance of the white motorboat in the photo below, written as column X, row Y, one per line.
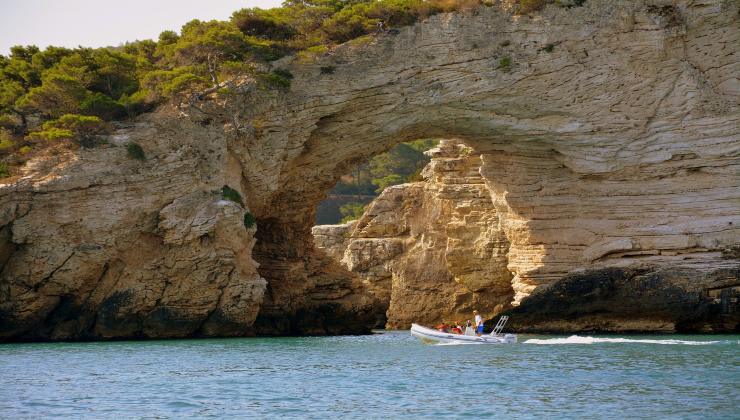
column 432, row 336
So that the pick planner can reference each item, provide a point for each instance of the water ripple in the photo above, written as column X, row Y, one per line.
column 379, row 376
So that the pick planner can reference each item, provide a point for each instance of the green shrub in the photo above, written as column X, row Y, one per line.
column 528, row 6
column 310, row 54
column 349, row 24
column 249, row 220
column 267, row 50
column 352, row 211
column 327, row 69
column 278, row 79
column 59, row 93
column 4, row 171
column 283, row 73
column 77, row 123
column 10, row 122
column 6, row 142
column 135, row 151
column 228, row 193
column 364, row 17
column 505, row 64
column 51, row 133
column 269, row 24
column 361, row 41
column 548, row 48
column 403, row 163
column 387, row 181
column 102, row 106
column 169, row 83
column 570, row 3
column 137, row 103
column 81, row 128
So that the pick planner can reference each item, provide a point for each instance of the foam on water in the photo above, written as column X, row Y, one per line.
column 576, row 339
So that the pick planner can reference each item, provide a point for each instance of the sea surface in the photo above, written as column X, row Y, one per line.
column 386, row 375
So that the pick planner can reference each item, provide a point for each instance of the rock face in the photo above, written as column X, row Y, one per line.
column 102, row 246
column 429, row 251
column 608, row 134
column 633, row 300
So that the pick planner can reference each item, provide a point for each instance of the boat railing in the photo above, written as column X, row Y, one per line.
column 500, row 325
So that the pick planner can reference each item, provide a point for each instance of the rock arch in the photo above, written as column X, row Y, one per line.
column 608, row 133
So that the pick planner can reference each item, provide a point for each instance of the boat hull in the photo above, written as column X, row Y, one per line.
column 430, row 336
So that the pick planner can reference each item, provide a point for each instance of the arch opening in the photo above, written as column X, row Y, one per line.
column 596, row 160
column 422, row 251
column 559, row 209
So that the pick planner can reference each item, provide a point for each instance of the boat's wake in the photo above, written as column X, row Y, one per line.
column 576, row 339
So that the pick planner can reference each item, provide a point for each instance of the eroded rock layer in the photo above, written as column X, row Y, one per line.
column 609, row 135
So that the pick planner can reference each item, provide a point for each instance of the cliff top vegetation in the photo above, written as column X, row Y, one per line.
column 69, row 94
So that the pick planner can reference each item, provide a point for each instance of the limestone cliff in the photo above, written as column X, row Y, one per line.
column 608, row 135
column 432, row 250
column 99, row 245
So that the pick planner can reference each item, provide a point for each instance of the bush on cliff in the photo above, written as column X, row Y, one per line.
column 529, row 6
column 135, row 151
column 505, row 63
column 6, row 141
column 274, row 24
column 276, row 79
column 81, row 128
column 230, row 194
column 249, row 220
column 103, row 106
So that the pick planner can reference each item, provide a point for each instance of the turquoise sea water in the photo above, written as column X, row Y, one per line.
column 387, row 375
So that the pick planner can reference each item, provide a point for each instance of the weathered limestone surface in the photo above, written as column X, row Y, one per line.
column 611, row 140
column 432, row 250
column 333, row 239
column 98, row 245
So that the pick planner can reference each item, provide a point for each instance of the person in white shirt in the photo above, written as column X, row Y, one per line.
column 469, row 328
column 478, row 323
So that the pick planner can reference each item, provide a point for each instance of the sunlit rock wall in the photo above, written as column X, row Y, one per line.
column 430, row 250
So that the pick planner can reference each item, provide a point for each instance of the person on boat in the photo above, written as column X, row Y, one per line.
column 443, row 327
column 469, row 328
column 478, row 323
column 457, row 329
